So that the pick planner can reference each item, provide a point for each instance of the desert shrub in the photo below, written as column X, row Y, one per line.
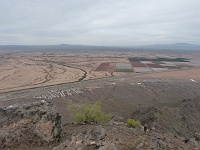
column 132, row 123
column 88, row 113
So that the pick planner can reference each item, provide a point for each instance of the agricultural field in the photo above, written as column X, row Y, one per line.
column 106, row 67
column 22, row 70
column 123, row 67
column 143, row 64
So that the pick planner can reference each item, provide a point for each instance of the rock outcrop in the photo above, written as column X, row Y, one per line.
column 30, row 124
column 38, row 124
column 182, row 119
column 93, row 140
column 119, row 137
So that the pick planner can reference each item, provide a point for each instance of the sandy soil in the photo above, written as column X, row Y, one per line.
column 24, row 70
column 33, row 69
column 191, row 74
column 17, row 73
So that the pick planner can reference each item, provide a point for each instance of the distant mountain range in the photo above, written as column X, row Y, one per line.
column 67, row 47
column 174, row 47
column 178, row 44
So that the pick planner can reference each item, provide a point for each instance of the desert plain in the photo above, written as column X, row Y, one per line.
column 23, row 70
column 153, row 87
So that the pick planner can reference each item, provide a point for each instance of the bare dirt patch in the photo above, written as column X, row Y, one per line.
column 109, row 67
column 138, row 64
column 176, row 74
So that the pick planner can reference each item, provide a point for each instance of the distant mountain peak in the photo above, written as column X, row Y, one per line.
column 177, row 44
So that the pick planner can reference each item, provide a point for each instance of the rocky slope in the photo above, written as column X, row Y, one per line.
column 180, row 119
column 37, row 126
column 34, row 124
column 116, row 136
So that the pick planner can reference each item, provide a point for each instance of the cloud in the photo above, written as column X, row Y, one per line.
column 110, row 22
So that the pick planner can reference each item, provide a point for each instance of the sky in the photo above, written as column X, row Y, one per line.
column 99, row 22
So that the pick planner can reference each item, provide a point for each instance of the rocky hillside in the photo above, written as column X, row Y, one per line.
column 32, row 124
column 180, row 119
column 116, row 136
column 37, row 126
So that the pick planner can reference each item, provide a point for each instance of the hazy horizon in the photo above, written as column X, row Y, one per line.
column 92, row 22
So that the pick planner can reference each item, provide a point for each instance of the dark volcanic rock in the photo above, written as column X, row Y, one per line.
column 98, row 133
column 182, row 119
column 117, row 118
column 34, row 123
column 109, row 146
column 197, row 136
column 88, row 140
column 120, row 137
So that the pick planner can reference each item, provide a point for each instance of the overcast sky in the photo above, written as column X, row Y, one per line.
column 99, row 22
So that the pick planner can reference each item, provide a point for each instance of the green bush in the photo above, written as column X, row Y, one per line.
column 88, row 113
column 132, row 123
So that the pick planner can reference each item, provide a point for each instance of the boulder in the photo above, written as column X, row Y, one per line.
column 98, row 133
column 197, row 136
column 93, row 140
column 62, row 146
column 109, row 146
column 117, row 118
column 193, row 142
column 35, row 123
